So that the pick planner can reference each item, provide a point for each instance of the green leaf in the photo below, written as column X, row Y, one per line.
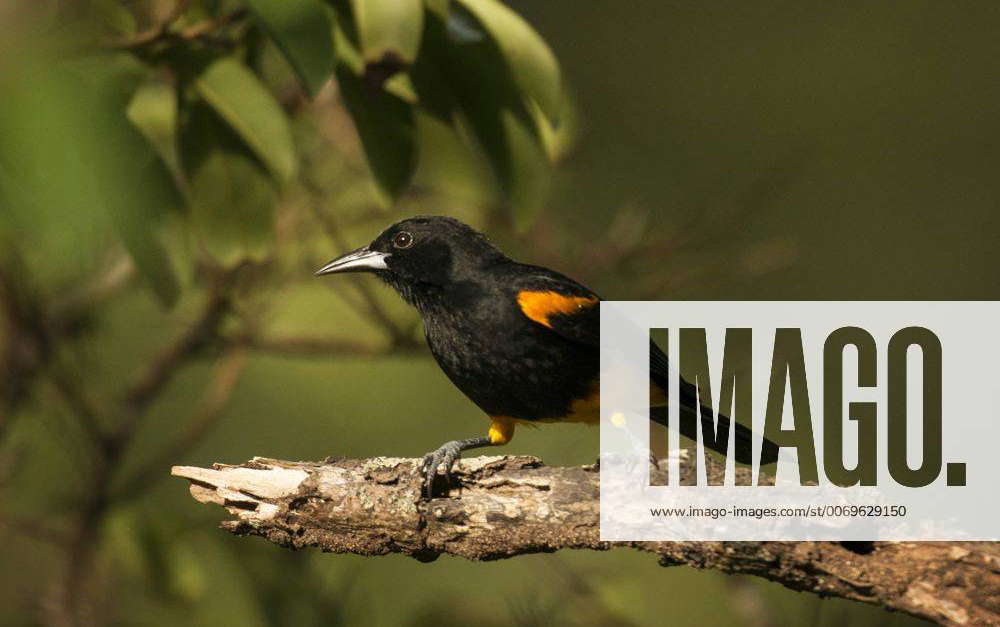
column 492, row 109
column 140, row 227
column 559, row 140
column 530, row 60
column 429, row 74
column 231, row 198
column 386, row 128
column 302, row 29
column 239, row 98
column 132, row 181
column 232, row 206
column 389, row 27
column 440, row 7
column 115, row 15
column 518, row 160
column 153, row 111
column 47, row 152
column 401, row 85
column 345, row 39
column 345, row 23
column 530, row 168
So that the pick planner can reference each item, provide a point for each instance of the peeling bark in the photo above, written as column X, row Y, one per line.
column 505, row 506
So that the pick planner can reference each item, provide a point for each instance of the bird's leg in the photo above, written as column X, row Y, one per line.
column 501, row 431
column 447, row 454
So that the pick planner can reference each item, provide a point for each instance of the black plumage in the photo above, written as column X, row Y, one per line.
column 521, row 341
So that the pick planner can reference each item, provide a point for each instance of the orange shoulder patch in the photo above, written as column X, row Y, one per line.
column 540, row 305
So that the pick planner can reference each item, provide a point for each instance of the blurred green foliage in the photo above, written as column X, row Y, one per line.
column 171, row 173
column 183, row 103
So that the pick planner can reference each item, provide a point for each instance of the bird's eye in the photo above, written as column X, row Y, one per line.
column 402, row 240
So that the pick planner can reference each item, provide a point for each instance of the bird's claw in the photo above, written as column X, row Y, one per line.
column 446, row 454
column 654, row 461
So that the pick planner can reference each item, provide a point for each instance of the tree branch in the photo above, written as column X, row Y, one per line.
column 317, row 346
column 399, row 335
column 507, row 506
column 162, row 369
column 163, row 31
column 228, row 372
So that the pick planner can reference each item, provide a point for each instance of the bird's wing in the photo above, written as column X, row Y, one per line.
column 559, row 304
column 571, row 310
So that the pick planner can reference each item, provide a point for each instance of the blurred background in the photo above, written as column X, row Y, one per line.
column 172, row 171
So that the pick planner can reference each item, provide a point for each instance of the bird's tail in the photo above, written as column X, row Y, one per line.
column 704, row 420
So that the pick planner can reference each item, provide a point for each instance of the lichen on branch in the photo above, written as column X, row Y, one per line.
column 501, row 507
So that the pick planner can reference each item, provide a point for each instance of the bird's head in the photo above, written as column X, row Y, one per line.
column 419, row 254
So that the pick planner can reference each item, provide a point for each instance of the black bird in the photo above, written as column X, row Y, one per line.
column 520, row 341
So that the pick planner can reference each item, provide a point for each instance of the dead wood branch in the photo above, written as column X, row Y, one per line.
column 506, row 506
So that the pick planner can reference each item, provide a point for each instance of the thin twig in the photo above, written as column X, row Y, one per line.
column 163, row 32
column 372, row 307
column 303, row 346
column 27, row 345
column 35, row 328
column 156, row 32
column 77, row 402
column 163, row 368
column 95, row 290
column 81, row 548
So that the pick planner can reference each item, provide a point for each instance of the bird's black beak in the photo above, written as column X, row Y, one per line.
column 360, row 260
